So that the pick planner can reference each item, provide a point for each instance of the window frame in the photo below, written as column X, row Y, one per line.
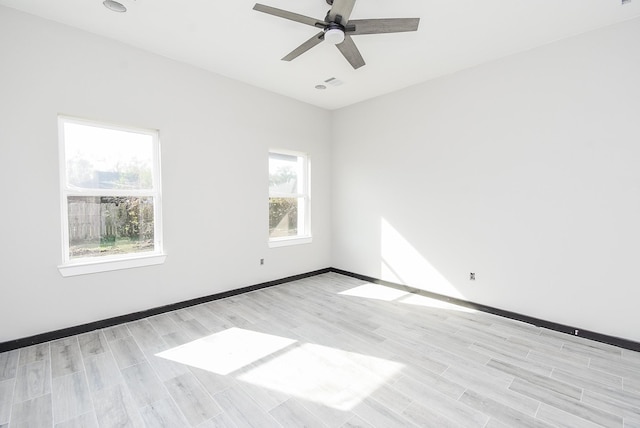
column 304, row 237
column 86, row 265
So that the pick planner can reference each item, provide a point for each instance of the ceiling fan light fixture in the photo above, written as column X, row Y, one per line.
column 114, row 6
column 335, row 36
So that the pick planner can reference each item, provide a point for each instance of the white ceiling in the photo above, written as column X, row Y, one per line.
column 231, row 39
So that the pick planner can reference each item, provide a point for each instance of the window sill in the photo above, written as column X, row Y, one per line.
column 285, row 242
column 96, row 266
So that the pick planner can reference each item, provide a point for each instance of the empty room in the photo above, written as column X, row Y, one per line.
column 214, row 217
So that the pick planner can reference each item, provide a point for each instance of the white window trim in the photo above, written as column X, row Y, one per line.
column 96, row 266
column 88, row 265
column 286, row 241
column 306, row 237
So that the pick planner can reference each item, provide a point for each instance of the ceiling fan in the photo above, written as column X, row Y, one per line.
column 337, row 29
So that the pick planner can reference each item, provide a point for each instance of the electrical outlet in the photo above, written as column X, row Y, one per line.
column 472, row 276
column 261, row 262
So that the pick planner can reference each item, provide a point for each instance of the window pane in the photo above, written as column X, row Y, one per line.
column 102, row 158
column 106, row 225
column 283, row 217
column 284, row 171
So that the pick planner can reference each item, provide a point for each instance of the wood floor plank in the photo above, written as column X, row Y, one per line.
column 596, row 381
column 499, row 391
column 196, row 405
column 116, row 332
column 378, row 415
column 265, row 398
column 34, row 353
column 292, row 414
column 631, row 355
column 219, row 421
column 88, row 420
column 163, row 324
column 8, row 364
column 143, row 384
column 180, row 315
column 522, row 362
column 592, row 349
column 331, row 417
column 558, row 360
column 6, row 399
column 36, row 412
column 65, row 357
column 208, row 320
column 501, row 412
column 102, row 371
column 32, row 380
column 447, row 406
column 93, row 343
column 224, row 311
column 562, row 419
column 126, row 352
column 625, row 368
column 391, row 397
column 243, row 411
column 114, row 407
column 424, row 415
column 163, row 414
column 195, row 329
column 212, row 382
column 71, row 396
column 567, row 404
column 615, row 404
column 417, row 384
column 545, row 382
column 356, row 422
column 165, row 369
column 631, row 422
column 145, row 335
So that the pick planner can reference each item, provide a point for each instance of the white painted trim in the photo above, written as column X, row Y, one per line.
column 100, row 265
column 304, row 211
column 285, row 242
column 65, row 191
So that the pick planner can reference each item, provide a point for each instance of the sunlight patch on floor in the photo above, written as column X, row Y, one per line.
column 375, row 291
column 227, row 351
column 324, row 375
column 417, row 300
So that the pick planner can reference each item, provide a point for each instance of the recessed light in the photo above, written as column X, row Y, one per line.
column 321, row 87
column 114, row 6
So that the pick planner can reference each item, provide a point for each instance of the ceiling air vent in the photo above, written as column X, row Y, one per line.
column 333, row 81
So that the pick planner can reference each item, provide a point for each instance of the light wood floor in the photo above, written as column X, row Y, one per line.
column 327, row 351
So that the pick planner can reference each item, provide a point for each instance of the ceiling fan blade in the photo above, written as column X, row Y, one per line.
column 351, row 52
column 341, row 8
column 289, row 15
column 315, row 40
column 385, row 25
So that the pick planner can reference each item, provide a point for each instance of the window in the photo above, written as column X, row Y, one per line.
column 110, row 191
column 289, row 210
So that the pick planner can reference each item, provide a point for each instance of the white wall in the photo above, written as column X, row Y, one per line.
column 215, row 135
column 525, row 171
